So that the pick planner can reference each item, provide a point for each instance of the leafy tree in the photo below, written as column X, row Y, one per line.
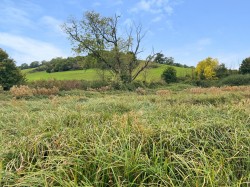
column 169, row 75
column 159, row 58
column 245, row 66
column 10, row 75
column 99, row 36
column 34, row 64
column 221, row 71
column 24, row 66
column 206, row 69
column 169, row 60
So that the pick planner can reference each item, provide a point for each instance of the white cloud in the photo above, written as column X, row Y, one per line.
column 154, row 7
column 17, row 13
column 26, row 50
column 96, row 4
column 159, row 9
column 157, row 19
column 52, row 23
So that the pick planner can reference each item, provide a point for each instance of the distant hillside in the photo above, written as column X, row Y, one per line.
column 152, row 74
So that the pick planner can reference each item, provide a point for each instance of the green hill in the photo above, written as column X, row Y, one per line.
column 151, row 74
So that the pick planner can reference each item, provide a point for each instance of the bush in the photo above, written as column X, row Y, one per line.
column 169, row 75
column 9, row 74
column 235, row 80
column 68, row 84
column 206, row 83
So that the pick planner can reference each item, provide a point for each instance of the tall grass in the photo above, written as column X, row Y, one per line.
column 166, row 138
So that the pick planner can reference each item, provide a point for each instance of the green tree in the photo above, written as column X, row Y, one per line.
column 206, row 69
column 221, row 71
column 245, row 66
column 10, row 75
column 161, row 59
column 24, row 66
column 34, row 64
column 169, row 75
column 99, row 36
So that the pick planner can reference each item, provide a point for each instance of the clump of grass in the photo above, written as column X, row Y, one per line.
column 218, row 90
column 163, row 92
column 26, row 91
column 140, row 91
column 126, row 140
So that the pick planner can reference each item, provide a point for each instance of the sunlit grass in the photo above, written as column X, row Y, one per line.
column 153, row 74
column 165, row 138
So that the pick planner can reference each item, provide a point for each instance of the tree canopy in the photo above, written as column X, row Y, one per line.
column 98, row 35
column 206, row 69
column 245, row 66
column 10, row 75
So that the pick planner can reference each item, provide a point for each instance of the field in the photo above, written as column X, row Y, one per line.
column 153, row 74
column 194, row 137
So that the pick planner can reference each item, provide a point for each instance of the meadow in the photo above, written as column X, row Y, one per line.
column 192, row 137
column 152, row 74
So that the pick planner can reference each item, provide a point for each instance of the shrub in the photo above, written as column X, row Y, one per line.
column 169, row 75
column 235, row 80
column 10, row 75
column 206, row 83
column 68, row 84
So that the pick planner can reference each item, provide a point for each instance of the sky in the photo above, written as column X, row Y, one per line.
column 187, row 30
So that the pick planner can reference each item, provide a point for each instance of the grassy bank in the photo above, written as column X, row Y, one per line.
column 194, row 137
column 152, row 74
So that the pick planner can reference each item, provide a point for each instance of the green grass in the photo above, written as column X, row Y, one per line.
column 183, row 138
column 90, row 74
column 153, row 74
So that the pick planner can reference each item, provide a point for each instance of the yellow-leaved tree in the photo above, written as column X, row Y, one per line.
column 206, row 69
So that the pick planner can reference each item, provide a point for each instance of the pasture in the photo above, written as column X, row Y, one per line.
column 193, row 137
column 152, row 74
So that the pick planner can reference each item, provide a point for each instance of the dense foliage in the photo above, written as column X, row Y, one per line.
column 9, row 74
column 169, row 75
column 235, row 80
column 161, row 59
column 245, row 66
column 206, row 69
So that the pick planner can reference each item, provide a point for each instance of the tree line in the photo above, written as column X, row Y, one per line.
column 100, row 44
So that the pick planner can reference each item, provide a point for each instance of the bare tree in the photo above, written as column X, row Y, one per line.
column 98, row 35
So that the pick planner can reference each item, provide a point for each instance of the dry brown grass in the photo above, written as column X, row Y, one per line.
column 101, row 89
column 217, row 90
column 163, row 92
column 140, row 91
column 22, row 91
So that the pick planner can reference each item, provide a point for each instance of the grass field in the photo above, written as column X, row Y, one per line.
column 153, row 74
column 194, row 137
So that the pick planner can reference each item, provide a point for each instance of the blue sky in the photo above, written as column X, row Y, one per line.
column 188, row 30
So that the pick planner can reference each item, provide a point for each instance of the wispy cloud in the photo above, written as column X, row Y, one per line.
column 52, row 23
column 26, row 50
column 160, row 10
column 96, row 4
column 153, row 6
